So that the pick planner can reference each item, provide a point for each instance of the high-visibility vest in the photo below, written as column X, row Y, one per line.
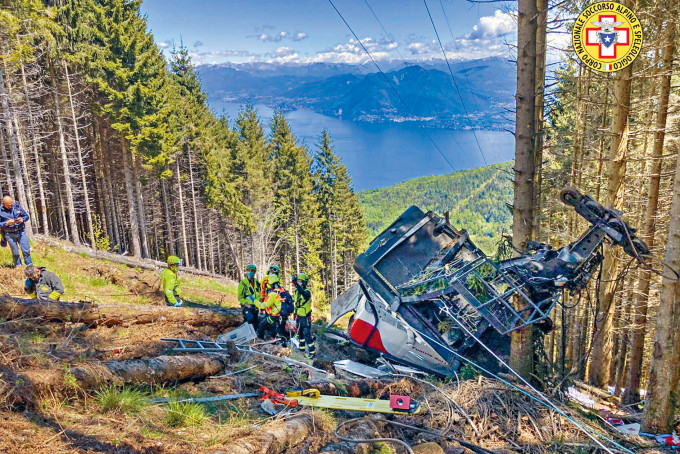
column 274, row 302
column 303, row 302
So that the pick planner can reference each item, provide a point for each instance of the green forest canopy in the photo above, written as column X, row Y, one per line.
column 477, row 200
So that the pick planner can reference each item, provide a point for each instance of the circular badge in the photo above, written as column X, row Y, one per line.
column 607, row 36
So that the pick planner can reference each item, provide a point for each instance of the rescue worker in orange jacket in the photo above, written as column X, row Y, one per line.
column 265, row 286
column 273, row 305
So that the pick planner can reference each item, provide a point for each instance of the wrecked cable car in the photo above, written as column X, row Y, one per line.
column 426, row 293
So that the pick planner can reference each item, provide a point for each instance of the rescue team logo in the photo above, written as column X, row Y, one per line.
column 607, row 36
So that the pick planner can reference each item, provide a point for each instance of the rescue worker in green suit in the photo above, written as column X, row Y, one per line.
column 42, row 284
column 170, row 282
column 249, row 297
column 302, row 299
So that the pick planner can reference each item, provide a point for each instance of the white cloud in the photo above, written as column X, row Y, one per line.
column 352, row 52
column 299, row 36
column 272, row 38
column 221, row 56
column 282, row 55
column 165, row 44
column 420, row 48
column 493, row 26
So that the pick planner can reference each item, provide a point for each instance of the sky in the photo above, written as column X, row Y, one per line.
column 309, row 31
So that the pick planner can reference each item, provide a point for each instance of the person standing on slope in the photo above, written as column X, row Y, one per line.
column 170, row 282
column 302, row 299
column 13, row 226
column 249, row 297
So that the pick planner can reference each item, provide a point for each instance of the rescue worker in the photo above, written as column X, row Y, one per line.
column 170, row 282
column 249, row 297
column 302, row 299
column 42, row 284
column 13, row 226
column 266, row 286
column 272, row 305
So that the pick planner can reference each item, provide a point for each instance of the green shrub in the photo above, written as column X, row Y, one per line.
column 185, row 414
column 127, row 400
column 97, row 282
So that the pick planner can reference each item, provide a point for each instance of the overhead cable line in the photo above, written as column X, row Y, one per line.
column 402, row 57
column 537, row 396
column 385, row 31
column 455, row 84
column 387, row 80
column 441, row 3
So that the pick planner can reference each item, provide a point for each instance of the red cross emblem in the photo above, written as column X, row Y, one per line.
column 607, row 35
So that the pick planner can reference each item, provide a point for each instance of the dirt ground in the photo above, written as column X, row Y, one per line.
column 54, row 415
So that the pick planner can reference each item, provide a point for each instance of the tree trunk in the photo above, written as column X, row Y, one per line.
column 541, row 46
column 116, row 314
column 632, row 392
column 182, row 216
column 25, row 180
column 275, row 437
column 662, row 389
column 70, row 205
column 7, row 171
column 136, row 175
column 197, row 236
column 159, row 370
column 131, row 198
column 522, row 348
column 169, row 237
column 598, row 374
column 36, row 158
column 79, row 154
column 13, row 148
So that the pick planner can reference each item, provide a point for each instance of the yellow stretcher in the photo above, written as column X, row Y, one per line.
column 396, row 405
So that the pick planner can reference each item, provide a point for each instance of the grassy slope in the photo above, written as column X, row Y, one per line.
column 101, row 281
column 476, row 200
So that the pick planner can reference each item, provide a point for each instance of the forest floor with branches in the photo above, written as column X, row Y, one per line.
column 44, row 406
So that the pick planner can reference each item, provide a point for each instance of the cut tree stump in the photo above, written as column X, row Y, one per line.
column 162, row 369
column 116, row 314
column 275, row 437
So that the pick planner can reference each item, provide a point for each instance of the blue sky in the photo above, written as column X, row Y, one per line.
column 307, row 31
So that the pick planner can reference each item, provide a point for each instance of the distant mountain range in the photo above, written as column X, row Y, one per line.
column 425, row 92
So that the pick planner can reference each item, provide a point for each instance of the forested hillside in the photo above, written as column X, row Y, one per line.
column 478, row 200
column 105, row 143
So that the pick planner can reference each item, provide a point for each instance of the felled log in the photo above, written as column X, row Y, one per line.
column 362, row 430
column 602, row 394
column 162, row 369
column 274, row 437
column 357, row 388
column 116, row 314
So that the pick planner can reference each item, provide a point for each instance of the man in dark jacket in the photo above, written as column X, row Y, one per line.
column 13, row 224
column 42, row 284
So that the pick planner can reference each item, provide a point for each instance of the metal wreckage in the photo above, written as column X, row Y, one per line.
column 427, row 294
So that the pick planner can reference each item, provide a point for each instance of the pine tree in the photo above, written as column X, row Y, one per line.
column 296, row 207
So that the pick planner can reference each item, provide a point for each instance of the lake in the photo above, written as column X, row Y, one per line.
column 383, row 154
